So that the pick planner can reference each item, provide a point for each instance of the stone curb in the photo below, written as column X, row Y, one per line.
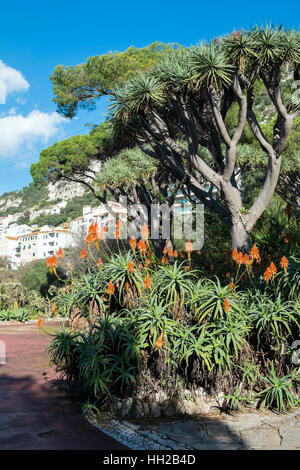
column 253, row 431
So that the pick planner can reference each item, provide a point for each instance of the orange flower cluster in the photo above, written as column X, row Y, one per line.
column 188, row 246
column 267, row 275
column 226, row 305
column 54, row 309
column 254, row 254
column 60, row 254
column 168, row 253
column 52, row 264
column 130, row 267
column 145, row 232
column 270, row 272
column 93, row 234
column 83, row 254
column 142, row 246
column 147, row 282
column 159, row 342
column 245, row 259
column 100, row 264
column 189, row 249
column 132, row 244
column 40, row 322
column 110, row 288
column 284, row 264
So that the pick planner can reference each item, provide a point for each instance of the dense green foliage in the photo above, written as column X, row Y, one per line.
column 162, row 323
column 81, row 85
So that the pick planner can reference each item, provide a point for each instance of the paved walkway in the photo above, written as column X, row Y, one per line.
column 33, row 413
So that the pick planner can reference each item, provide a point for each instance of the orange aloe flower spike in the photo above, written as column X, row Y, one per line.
column 235, row 254
column 226, row 305
column 254, row 253
column 142, row 246
column 147, row 282
column 83, row 254
column 54, row 309
column 246, row 260
column 132, row 243
column 188, row 246
column 267, row 275
column 240, row 258
column 273, row 269
column 159, row 342
column 110, row 288
column 284, row 264
column 130, row 267
column 145, row 231
column 40, row 322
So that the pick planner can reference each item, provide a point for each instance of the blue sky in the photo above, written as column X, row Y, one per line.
column 36, row 36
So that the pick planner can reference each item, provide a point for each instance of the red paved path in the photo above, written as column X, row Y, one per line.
column 33, row 414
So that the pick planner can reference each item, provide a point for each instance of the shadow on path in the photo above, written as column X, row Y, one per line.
column 34, row 412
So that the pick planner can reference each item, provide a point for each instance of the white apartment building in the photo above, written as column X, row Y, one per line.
column 8, row 246
column 103, row 215
column 41, row 244
column 22, row 244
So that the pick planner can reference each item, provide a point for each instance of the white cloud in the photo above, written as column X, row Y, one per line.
column 18, row 132
column 20, row 100
column 11, row 80
column 21, row 166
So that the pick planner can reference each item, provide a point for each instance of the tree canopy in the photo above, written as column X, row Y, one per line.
column 218, row 115
column 81, row 85
column 189, row 93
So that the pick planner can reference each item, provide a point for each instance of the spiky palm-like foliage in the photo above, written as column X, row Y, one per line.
column 209, row 64
column 174, row 284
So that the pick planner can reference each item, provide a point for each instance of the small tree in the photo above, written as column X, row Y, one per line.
column 186, row 98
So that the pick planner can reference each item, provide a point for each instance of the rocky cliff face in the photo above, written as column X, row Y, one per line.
column 64, row 190
column 42, row 200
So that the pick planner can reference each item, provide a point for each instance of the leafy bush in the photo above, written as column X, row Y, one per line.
column 20, row 315
column 159, row 323
column 278, row 394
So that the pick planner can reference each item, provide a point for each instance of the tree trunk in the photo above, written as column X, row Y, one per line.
column 240, row 237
